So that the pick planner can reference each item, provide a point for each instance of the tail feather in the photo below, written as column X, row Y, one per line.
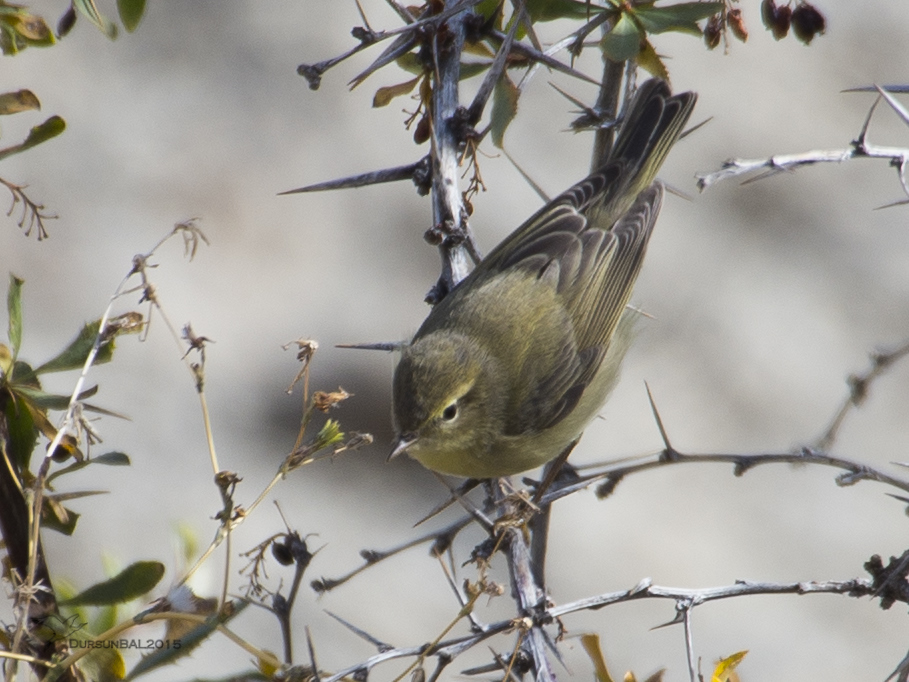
column 653, row 122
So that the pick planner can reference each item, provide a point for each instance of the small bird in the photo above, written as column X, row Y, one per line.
column 508, row 369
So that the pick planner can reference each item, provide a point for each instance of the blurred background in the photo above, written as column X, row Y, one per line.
column 764, row 298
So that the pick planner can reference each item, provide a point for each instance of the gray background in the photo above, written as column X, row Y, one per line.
column 764, row 297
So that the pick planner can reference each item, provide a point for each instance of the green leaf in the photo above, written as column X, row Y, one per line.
column 14, row 310
column 650, row 61
column 471, row 69
column 90, row 11
column 504, row 108
column 111, row 459
column 38, row 397
column 410, row 63
column 131, row 12
column 55, row 516
column 76, row 353
column 108, row 459
column 550, row 10
column 329, row 434
column 623, row 42
column 184, row 645
column 22, row 433
column 21, row 29
column 40, row 133
column 187, row 542
column 384, row 95
column 103, row 619
column 103, row 665
column 21, row 100
column 22, row 374
column 682, row 17
column 486, row 8
column 130, row 583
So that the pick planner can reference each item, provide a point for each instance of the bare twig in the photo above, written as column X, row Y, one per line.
column 440, row 539
column 33, row 214
column 857, row 587
column 475, row 110
column 853, row 471
column 860, row 148
column 901, row 672
column 367, row 37
column 859, row 385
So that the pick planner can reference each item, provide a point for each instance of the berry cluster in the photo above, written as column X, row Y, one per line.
column 805, row 19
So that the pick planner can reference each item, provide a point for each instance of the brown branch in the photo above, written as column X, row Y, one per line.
column 691, row 598
column 33, row 214
column 859, row 385
column 853, row 471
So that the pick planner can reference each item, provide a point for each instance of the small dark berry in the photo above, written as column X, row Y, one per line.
column 713, row 31
column 807, row 22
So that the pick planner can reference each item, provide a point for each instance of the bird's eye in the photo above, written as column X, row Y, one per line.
column 450, row 413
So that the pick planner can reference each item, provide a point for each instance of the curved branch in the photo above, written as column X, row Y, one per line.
column 853, row 471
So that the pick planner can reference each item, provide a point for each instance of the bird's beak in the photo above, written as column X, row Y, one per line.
column 405, row 440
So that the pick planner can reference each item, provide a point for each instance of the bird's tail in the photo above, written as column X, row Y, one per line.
column 652, row 124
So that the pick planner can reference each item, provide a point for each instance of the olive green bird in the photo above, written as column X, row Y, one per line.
column 508, row 369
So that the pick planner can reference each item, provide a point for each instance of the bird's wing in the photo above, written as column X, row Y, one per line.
column 596, row 271
column 592, row 237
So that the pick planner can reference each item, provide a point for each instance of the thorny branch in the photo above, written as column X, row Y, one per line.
column 860, row 148
column 887, row 583
column 442, row 37
column 853, row 471
column 448, row 649
column 859, row 385
column 449, row 122
column 444, row 33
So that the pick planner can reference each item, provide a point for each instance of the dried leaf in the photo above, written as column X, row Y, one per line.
column 323, row 401
column 21, row 100
column 384, row 95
